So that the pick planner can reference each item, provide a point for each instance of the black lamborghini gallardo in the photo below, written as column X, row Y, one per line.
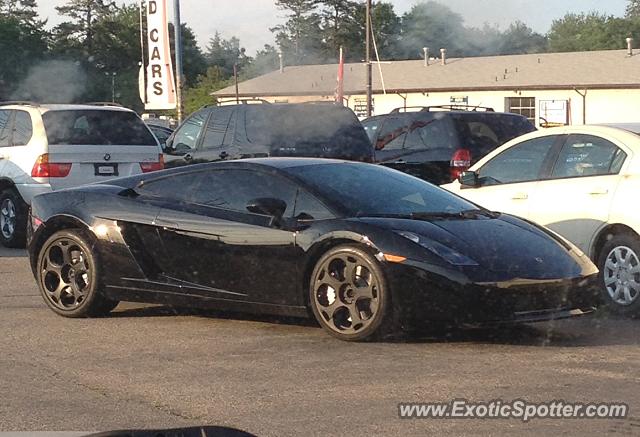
column 364, row 248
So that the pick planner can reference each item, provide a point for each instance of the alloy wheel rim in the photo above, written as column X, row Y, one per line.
column 622, row 275
column 346, row 294
column 65, row 274
column 7, row 218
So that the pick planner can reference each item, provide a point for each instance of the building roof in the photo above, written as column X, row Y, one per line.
column 603, row 69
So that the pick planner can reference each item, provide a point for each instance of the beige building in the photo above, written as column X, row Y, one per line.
column 556, row 88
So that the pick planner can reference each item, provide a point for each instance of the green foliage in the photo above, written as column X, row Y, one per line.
column 592, row 31
column 200, row 94
column 633, row 9
column 21, row 47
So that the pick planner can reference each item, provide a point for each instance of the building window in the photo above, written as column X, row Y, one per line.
column 524, row 106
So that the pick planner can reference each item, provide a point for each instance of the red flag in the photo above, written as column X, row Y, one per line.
column 340, row 86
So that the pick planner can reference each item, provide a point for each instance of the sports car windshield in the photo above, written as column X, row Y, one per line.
column 376, row 190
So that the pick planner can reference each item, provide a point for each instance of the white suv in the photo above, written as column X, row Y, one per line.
column 51, row 147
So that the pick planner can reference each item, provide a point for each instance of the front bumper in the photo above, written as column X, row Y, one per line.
column 421, row 296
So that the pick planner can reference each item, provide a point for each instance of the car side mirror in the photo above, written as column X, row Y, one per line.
column 267, row 206
column 469, row 179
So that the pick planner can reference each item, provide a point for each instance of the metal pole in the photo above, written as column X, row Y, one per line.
column 177, row 28
column 368, row 60
column 113, row 87
column 235, row 78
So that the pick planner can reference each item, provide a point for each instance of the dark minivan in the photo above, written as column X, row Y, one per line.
column 321, row 130
column 438, row 143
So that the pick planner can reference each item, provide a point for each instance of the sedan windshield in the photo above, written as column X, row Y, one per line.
column 364, row 189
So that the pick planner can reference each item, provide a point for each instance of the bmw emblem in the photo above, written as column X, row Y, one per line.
column 107, row 157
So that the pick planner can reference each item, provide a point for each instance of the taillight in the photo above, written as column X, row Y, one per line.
column 460, row 162
column 153, row 166
column 45, row 169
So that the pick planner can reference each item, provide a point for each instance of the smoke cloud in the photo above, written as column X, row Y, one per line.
column 52, row 82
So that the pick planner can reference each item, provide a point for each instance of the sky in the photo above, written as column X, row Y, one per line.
column 250, row 20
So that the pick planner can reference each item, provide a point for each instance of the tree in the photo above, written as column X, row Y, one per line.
column 633, row 9
column 25, row 11
column 17, row 59
column 592, row 31
column 431, row 25
column 339, row 25
column 225, row 53
column 520, row 39
column 194, row 63
column 83, row 16
column 200, row 94
column 300, row 37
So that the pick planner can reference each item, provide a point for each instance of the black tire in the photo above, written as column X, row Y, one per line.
column 68, row 275
column 348, row 281
column 13, row 219
column 620, row 279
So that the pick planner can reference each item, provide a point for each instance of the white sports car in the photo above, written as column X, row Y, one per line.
column 580, row 181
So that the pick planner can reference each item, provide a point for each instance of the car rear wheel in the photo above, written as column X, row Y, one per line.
column 13, row 219
column 68, row 276
column 619, row 265
column 349, row 295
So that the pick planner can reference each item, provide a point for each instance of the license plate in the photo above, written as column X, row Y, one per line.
column 106, row 169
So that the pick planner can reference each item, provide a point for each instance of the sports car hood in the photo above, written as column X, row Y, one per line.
column 505, row 244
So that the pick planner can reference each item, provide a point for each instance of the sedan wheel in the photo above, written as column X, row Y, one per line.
column 620, row 273
column 67, row 276
column 348, row 294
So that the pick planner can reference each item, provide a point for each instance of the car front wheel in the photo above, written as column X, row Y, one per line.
column 349, row 295
column 619, row 265
column 68, row 276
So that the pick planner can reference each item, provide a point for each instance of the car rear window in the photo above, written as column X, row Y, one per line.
column 325, row 127
column 96, row 127
column 490, row 129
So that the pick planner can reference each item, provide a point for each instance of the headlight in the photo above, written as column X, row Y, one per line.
column 451, row 256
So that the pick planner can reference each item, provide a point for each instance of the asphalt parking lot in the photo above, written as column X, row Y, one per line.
column 149, row 367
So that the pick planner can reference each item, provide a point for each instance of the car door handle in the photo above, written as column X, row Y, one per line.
column 599, row 192
column 224, row 155
column 2, row 157
column 188, row 157
column 520, row 196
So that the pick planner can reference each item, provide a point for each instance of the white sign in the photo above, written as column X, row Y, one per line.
column 554, row 113
column 161, row 91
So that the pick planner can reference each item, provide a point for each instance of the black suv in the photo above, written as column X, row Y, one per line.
column 438, row 143
column 320, row 130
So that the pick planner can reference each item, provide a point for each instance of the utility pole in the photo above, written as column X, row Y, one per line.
column 368, row 60
column 235, row 79
column 177, row 28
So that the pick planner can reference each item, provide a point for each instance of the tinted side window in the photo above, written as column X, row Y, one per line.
column 218, row 127
column 392, row 133
column 187, row 135
column 5, row 128
column 308, row 204
column 22, row 129
column 519, row 163
column 588, row 155
column 429, row 134
column 228, row 189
